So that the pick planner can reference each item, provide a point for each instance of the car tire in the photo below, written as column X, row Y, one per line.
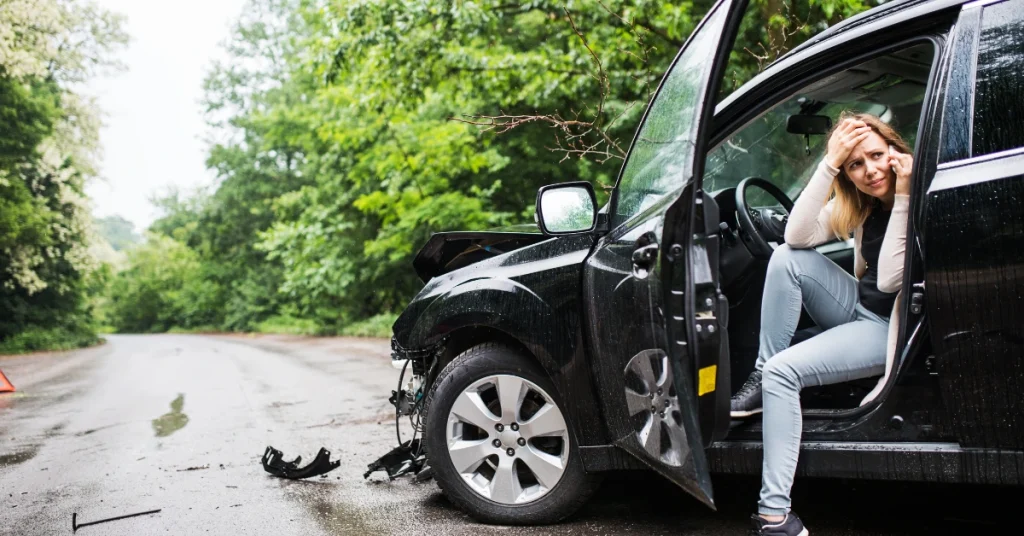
column 475, row 375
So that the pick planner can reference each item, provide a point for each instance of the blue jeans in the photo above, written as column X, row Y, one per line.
column 852, row 346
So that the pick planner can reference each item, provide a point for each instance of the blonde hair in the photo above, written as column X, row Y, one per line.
column 853, row 206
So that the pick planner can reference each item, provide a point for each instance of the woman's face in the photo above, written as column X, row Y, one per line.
column 868, row 167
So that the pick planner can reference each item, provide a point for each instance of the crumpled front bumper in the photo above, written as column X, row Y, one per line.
column 420, row 358
column 409, row 456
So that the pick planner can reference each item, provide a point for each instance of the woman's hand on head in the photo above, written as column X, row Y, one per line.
column 902, row 164
column 848, row 135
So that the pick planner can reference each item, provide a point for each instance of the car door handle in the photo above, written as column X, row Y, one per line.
column 643, row 257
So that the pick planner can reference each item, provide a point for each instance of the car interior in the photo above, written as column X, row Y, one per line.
column 783, row 145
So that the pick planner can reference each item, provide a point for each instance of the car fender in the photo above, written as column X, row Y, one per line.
column 502, row 304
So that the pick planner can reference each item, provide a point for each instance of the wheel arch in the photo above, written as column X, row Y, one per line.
column 500, row 310
column 465, row 337
column 544, row 329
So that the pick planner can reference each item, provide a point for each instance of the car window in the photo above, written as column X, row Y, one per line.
column 999, row 80
column 663, row 150
column 955, row 135
column 891, row 86
column 765, row 149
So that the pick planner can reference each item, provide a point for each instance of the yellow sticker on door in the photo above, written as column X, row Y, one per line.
column 706, row 380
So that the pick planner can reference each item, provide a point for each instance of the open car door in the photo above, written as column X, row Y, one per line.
column 657, row 270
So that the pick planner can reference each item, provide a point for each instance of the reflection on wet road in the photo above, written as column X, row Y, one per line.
column 180, row 422
column 171, row 422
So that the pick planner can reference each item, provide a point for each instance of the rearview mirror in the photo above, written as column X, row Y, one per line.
column 566, row 208
column 808, row 124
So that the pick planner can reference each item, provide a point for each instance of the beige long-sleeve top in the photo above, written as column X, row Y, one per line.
column 808, row 226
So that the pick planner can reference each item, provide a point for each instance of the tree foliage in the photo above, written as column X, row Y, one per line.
column 117, row 231
column 343, row 135
column 48, row 139
column 164, row 287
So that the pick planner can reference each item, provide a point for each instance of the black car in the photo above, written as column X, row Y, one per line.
column 612, row 339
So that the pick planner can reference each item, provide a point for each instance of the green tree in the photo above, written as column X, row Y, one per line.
column 349, row 131
column 48, row 138
column 119, row 232
column 163, row 287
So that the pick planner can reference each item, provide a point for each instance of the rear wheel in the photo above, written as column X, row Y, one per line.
column 499, row 443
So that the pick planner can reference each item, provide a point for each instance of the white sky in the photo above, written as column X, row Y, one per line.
column 153, row 130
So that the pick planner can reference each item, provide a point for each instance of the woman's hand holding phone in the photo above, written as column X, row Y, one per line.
column 901, row 164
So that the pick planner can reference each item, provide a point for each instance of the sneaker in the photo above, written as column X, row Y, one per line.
column 791, row 526
column 747, row 401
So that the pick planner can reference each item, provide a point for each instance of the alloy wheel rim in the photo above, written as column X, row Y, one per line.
column 507, row 439
column 654, row 408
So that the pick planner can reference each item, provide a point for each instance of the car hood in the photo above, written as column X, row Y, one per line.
column 449, row 251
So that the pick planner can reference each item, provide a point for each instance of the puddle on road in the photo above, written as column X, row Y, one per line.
column 7, row 399
column 7, row 460
column 333, row 515
column 171, row 422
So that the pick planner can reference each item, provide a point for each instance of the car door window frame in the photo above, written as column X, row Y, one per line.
column 958, row 116
column 628, row 220
column 821, row 60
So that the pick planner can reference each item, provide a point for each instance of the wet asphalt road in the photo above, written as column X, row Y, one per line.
column 179, row 422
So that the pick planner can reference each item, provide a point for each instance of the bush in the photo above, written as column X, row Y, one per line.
column 163, row 287
column 196, row 329
column 289, row 325
column 35, row 339
column 375, row 326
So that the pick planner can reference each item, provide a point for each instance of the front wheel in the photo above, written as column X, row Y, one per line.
column 498, row 441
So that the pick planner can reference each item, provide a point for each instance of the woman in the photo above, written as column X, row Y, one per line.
column 865, row 177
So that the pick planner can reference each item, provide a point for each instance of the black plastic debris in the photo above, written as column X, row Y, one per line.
column 405, row 458
column 75, row 525
column 273, row 463
column 404, row 401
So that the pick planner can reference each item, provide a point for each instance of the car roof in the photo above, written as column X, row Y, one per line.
column 875, row 15
column 877, row 18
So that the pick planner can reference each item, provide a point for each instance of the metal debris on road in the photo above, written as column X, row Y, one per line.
column 75, row 525
column 274, row 464
column 405, row 458
column 194, row 468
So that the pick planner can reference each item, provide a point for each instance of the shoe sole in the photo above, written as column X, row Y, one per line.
column 804, row 532
column 743, row 414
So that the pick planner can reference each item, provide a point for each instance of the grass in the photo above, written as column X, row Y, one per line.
column 289, row 325
column 197, row 329
column 375, row 326
column 47, row 339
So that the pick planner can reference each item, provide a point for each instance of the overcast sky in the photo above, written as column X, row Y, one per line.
column 153, row 132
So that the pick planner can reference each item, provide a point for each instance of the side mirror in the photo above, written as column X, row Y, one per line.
column 566, row 208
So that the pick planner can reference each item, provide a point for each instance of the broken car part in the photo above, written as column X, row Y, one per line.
column 405, row 458
column 75, row 525
column 409, row 456
column 273, row 463
column 448, row 251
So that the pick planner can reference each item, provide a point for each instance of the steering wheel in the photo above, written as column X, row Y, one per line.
column 762, row 225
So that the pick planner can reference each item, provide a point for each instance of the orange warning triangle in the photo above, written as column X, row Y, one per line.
column 5, row 384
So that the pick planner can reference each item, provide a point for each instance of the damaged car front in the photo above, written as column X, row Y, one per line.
column 483, row 350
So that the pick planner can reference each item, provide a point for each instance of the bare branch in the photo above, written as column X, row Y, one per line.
column 602, row 78
column 586, row 136
column 642, row 44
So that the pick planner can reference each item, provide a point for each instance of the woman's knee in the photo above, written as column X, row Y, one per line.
column 778, row 375
column 788, row 259
column 782, row 257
